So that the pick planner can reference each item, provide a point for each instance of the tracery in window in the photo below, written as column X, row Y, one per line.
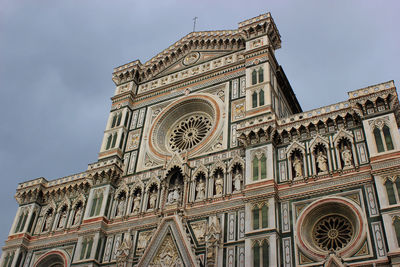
column 260, row 253
column 383, row 137
column 86, row 248
column 96, row 203
column 332, row 232
column 259, row 166
column 260, row 216
column 396, row 224
column 392, row 186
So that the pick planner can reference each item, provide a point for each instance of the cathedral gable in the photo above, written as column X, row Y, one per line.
column 168, row 247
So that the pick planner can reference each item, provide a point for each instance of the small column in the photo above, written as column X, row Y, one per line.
column 144, row 201
column 355, row 158
column 338, row 158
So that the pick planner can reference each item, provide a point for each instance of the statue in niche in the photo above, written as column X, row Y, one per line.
column 63, row 217
column 174, row 193
column 200, row 188
column 219, row 183
column 78, row 215
column 48, row 221
column 322, row 162
column 136, row 203
column 237, row 181
column 347, row 156
column 143, row 240
column 121, row 206
column 298, row 167
column 153, row 199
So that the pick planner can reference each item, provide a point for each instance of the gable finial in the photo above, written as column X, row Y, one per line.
column 194, row 23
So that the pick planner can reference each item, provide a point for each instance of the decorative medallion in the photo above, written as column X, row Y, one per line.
column 191, row 58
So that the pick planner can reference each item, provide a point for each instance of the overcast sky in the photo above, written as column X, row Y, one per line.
column 57, row 58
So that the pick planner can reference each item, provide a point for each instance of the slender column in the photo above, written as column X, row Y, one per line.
column 355, row 158
column 338, row 157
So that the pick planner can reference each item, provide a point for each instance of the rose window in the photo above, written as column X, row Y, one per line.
column 189, row 132
column 332, row 232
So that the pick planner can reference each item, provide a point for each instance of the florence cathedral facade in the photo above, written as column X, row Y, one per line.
column 208, row 160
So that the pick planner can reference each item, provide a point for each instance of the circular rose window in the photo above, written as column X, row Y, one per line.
column 332, row 232
column 188, row 132
column 330, row 224
column 189, row 125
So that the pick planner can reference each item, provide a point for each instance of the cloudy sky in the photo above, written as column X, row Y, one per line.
column 57, row 57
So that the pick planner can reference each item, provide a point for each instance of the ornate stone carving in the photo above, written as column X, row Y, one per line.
column 123, row 251
column 213, row 239
column 167, row 255
column 143, row 240
column 199, row 230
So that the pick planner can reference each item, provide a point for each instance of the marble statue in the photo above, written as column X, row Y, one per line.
column 153, row 199
column 298, row 167
column 48, row 222
column 63, row 217
column 136, row 203
column 237, row 181
column 78, row 216
column 200, row 188
column 322, row 162
column 121, row 207
column 347, row 156
column 219, row 182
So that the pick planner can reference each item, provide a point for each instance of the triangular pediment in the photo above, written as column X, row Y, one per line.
column 167, row 247
column 184, row 62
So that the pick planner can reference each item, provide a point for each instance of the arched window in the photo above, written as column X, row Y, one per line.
column 378, row 140
column 119, row 118
column 260, row 75
column 260, row 216
column 256, row 255
column 20, row 219
column 255, row 168
column 396, row 224
column 126, row 119
column 261, row 97
column 31, row 222
column 388, row 137
column 254, row 77
column 264, row 250
column 263, row 163
column 254, row 100
column 114, row 121
column 109, row 138
column 390, row 192
column 96, row 203
column 260, row 254
column 259, row 167
column 86, row 248
column 114, row 140
column 122, row 141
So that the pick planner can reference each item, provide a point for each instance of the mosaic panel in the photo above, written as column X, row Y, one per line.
column 238, row 109
column 133, row 140
column 371, row 200
column 135, row 115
